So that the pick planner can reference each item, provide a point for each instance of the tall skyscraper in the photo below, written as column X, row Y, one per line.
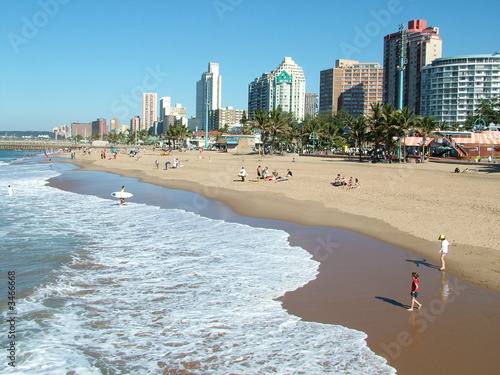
column 165, row 104
column 288, row 88
column 310, row 104
column 417, row 46
column 258, row 95
column 149, row 110
column 113, row 125
column 208, row 93
column 284, row 87
column 99, row 127
column 135, row 124
column 351, row 86
column 453, row 87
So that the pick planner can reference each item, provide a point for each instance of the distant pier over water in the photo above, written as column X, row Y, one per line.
column 51, row 146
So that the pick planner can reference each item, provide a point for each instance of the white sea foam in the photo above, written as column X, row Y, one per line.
column 149, row 289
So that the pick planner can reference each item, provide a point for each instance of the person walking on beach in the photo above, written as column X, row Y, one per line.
column 9, row 190
column 415, row 289
column 444, row 250
column 242, row 174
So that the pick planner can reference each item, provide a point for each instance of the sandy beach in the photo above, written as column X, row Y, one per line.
column 408, row 205
column 398, row 207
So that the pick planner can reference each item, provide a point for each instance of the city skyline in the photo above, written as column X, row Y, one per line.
column 59, row 69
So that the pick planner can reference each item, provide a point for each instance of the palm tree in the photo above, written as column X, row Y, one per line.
column 278, row 125
column 359, row 131
column 426, row 126
column 261, row 124
column 376, row 124
column 178, row 133
column 405, row 120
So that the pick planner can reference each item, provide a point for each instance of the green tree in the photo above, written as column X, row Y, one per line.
column 359, row 131
column 405, row 120
column 278, row 126
column 376, row 125
column 178, row 133
column 426, row 126
column 488, row 109
column 260, row 123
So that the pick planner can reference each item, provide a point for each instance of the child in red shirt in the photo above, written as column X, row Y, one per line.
column 415, row 289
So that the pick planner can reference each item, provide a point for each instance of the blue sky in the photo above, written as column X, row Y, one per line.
column 75, row 60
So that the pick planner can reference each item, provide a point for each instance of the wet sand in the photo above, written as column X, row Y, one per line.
column 363, row 283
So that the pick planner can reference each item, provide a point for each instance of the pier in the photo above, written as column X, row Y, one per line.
column 51, row 146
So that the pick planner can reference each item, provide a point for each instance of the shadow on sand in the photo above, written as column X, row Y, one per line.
column 393, row 302
column 423, row 262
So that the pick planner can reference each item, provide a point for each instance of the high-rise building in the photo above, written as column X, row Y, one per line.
column 149, row 110
column 452, row 87
column 351, row 86
column 288, row 88
column 99, row 127
column 416, row 47
column 310, row 104
column 284, row 87
column 165, row 104
column 208, row 94
column 225, row 116
column 113, row 125
column 135, row 124
column 327, row 101
column 82, row 129
column 176, row 116
column 347, row 86
column 258, row 95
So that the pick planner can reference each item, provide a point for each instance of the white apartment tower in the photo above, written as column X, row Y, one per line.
column 149, row 110
column 284, row 87
column 208, row 94
column 288, row 88
column 165, row 104
column 453, row 87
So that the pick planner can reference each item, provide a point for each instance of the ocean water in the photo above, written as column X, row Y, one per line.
column 139, row 289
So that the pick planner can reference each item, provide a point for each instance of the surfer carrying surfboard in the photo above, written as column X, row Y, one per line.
column 122, row 200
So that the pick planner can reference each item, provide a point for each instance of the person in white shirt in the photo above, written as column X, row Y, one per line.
column 242, row 174
column 444, row 250
column 9, row 189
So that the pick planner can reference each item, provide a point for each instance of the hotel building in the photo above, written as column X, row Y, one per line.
column 351, row 86
column 452, row 87
column 208, row 93
column 83, row 129
column 421, row 45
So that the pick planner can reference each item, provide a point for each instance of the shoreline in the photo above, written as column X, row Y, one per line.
column 344, row 293
column 470, row 257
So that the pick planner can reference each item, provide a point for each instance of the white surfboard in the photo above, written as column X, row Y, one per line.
column 119, row 194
